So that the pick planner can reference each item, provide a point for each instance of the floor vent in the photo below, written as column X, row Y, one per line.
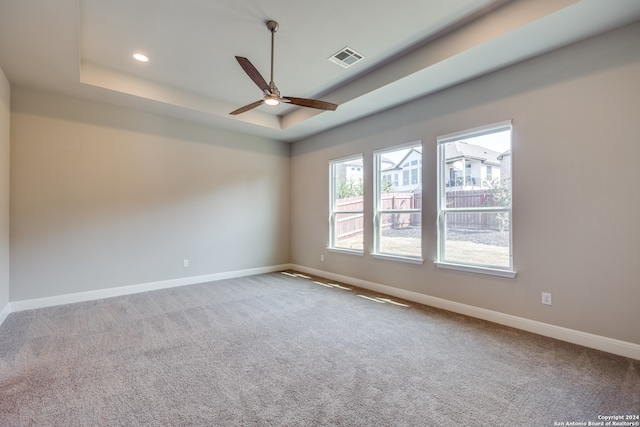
column 346, row 57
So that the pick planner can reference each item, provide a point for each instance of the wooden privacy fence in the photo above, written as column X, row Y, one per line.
column 350, row 225
column 470, row 199
column 401, row 201
column 472, row 220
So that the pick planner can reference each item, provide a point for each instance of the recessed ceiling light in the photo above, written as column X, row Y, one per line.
column 140, row 57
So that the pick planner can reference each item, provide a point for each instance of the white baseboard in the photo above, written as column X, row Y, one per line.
column 597, row 342
column 134, row 289
column 610, row 345
column 5, row 313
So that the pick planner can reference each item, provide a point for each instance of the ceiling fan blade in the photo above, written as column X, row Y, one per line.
column 311, row 103
column 247, row 107
column 253, row 73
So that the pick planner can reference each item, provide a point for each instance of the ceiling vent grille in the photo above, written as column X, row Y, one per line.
column 346, row 57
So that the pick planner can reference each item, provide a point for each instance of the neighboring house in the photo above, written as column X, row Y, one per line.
column 406, row 175
column 353, row 171
column 386, row 163
column 471, row 166
column 350, row 171
column 505, row 164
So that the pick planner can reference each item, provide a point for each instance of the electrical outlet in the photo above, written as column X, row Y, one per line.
column 185, row 263
column 546, row 298
column 321, row 257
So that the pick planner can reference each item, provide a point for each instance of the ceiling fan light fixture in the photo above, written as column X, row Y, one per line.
column 140, row 57
column 271, row 94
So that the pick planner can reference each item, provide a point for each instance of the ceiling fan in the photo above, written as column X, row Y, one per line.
column 271, row 93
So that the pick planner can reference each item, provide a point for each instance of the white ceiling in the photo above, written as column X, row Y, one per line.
column 412, row 48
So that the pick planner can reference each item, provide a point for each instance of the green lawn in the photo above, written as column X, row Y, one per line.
column 456, row 250
column 477, row 253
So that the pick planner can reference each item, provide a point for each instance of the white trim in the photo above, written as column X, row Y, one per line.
column 6, row 311
column 134, row 289
column 412, row 144
column 473, row 269
column 346, row 251
column 392, row 211
column 377, row 194
column 333, row 212
column 610, row 345
column 443, row 210
column 473, row 132
column 398, row 258
column 347, row 158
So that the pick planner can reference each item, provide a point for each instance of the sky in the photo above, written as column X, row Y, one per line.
column 499, row 141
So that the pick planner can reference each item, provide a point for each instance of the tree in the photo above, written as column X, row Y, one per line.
column 387, row 186
column 348, row 188
column 501, row 192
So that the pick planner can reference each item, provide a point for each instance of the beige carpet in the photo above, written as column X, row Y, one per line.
column 276, row 350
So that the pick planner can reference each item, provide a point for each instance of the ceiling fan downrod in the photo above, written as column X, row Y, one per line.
column 271, row 94
column 273, row 27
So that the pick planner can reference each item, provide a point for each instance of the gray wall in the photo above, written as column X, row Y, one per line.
column 4, row 190
column 104, row 197
column 576, row 201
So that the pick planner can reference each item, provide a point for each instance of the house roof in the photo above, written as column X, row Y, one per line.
column 398, row 165
column 463, row 150
column 505, row 154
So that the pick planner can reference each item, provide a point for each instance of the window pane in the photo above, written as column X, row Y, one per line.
column 475, row 173
column 477, row 162
column 347, row 192
column 348, row 231
column 400, row 201
column 347, row 178
column 354, row 203
column 401, row 234
column 477, row 238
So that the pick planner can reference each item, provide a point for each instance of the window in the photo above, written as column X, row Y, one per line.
column 474, row 217
column 398, row 210
column 346, row 192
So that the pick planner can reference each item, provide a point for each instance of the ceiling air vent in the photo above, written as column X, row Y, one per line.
column 346, row 57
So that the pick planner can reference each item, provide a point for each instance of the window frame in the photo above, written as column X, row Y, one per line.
column 332, row 205
column 442, row 209
column 378, row 211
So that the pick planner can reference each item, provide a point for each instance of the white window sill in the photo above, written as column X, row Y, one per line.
column 472, row 269
column 346, row 251
column 408, row 260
